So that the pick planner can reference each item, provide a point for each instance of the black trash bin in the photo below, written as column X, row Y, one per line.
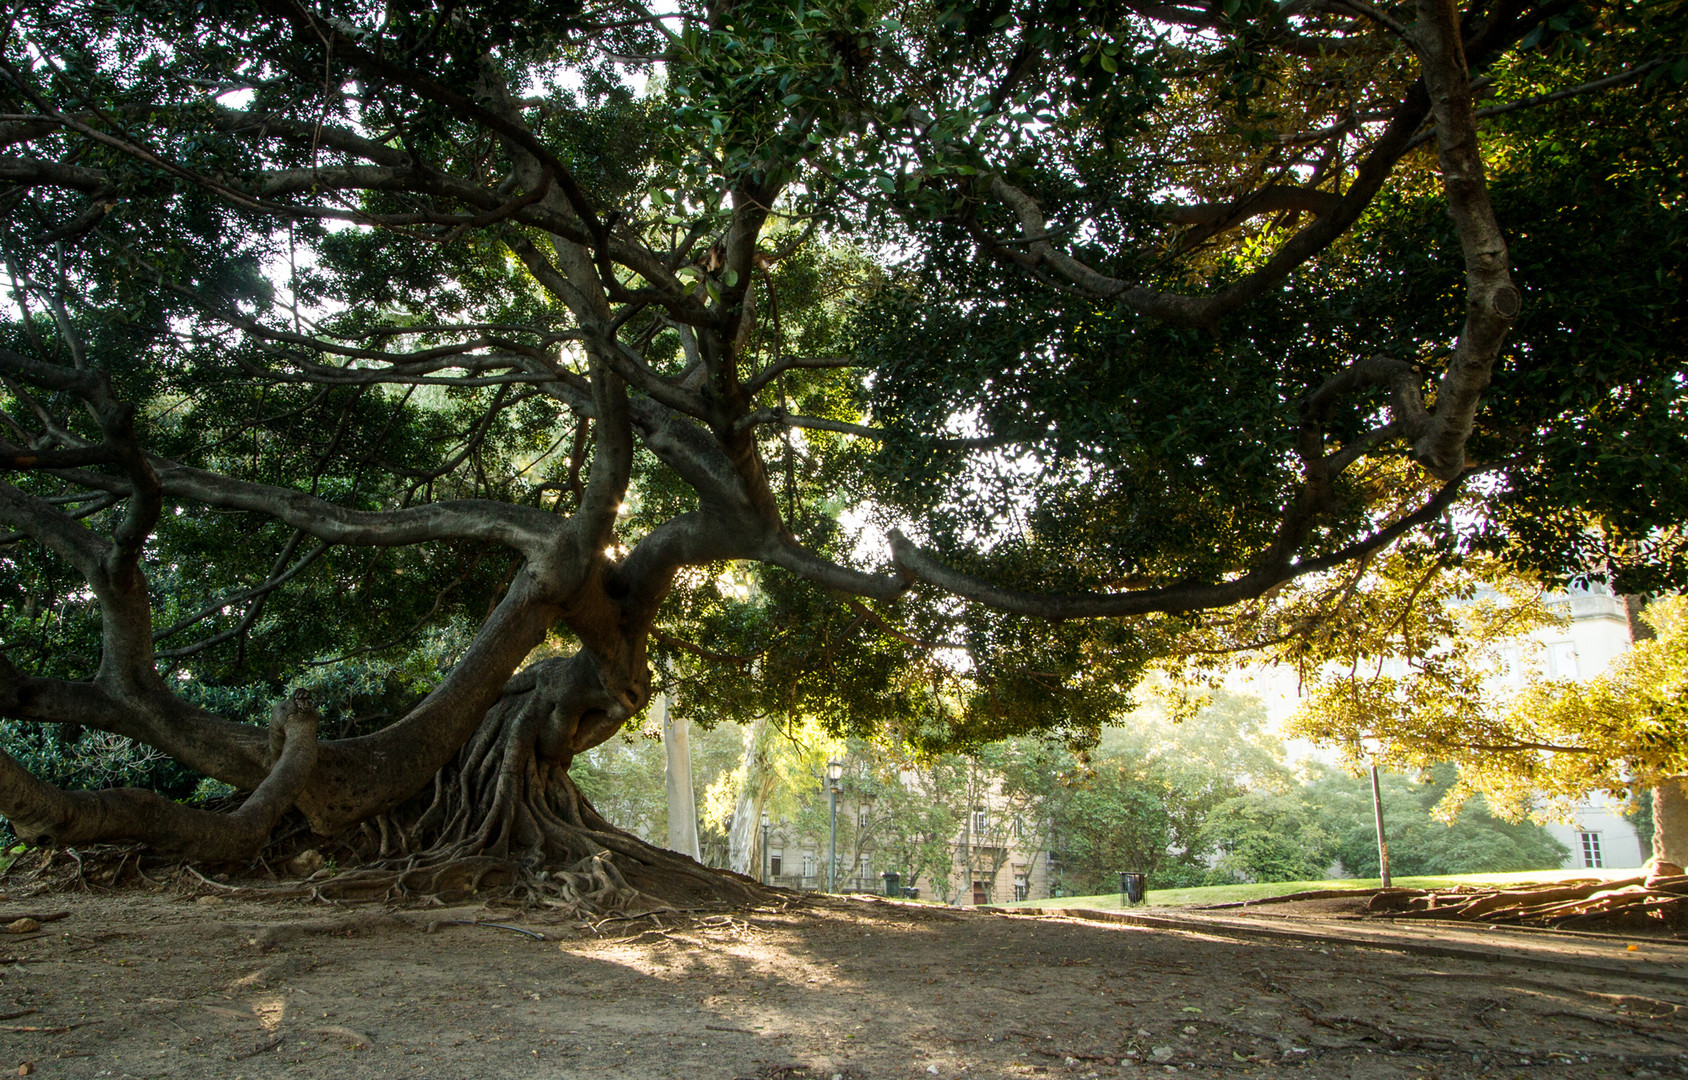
column 1132, row 884
column 891, row 879
column 910, row 893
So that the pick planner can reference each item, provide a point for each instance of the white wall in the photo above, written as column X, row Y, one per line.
column 1619, row 845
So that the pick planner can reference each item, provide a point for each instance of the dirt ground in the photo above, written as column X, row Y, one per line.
column 145, row 985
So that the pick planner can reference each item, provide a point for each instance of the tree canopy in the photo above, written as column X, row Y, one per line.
column 928, row 367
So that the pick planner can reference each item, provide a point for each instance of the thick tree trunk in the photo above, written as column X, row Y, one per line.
column 1670, row 821
column 507, row 801
column 471, row 787
column 682, row 800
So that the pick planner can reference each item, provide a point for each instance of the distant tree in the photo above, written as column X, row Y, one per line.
column 625, row 779
column 1140, row 799
column 1201, row 751
column 1624, row 730
column 1112, row 820
column 1271, row 836
column 917, row 808
column 1475, row 842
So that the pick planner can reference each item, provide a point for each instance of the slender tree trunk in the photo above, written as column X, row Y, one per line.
column 744, row 841
column 1670, row 821
column 965, row 893
column 682, row 802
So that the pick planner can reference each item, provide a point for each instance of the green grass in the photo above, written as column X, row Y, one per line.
column 1225, row 894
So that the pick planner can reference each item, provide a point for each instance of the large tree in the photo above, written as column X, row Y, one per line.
column 332, row 325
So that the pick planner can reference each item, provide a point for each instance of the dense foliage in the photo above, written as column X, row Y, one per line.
column 1300, row 835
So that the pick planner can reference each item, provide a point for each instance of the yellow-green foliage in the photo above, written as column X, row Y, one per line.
column 1534, row 749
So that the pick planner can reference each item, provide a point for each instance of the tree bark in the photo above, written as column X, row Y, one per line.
column 682, row 800
column 1670, row 821
column 44, row 815
column 744, row 841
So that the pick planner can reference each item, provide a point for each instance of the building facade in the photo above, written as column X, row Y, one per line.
column 994, row 858
column 1598, row 835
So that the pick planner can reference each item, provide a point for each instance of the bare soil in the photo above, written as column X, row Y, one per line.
column 137, row 984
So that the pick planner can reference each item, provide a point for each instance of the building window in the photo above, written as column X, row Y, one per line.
column 1591, row 849
column 1562, row 660
column 1020, row 887
column 808, row 864
column 862, row 816
column 981, row 822
column 776, row 860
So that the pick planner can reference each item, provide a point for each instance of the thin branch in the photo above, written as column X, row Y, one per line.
column 1607, row 83
column 275, row 581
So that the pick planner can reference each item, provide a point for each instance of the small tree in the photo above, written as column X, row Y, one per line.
column 1475, row 842
column 919, row 810
column 1622, row 730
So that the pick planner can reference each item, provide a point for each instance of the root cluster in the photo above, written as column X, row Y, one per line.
column 1650, row 902
column 503, row 817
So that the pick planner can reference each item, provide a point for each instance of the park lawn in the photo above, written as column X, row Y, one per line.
column 1225, row 894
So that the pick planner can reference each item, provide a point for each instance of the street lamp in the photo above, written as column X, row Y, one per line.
column 765, row 823
column 834, row 774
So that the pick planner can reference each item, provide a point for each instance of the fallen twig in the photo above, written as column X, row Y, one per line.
column 595, row 927
column 1397, row 1040
column 724, row 1027
column 214, row 884
column 534, row 934
column 262, row 1049
column 59, row 1030
column 1107, row 1059
column 1640, row 1029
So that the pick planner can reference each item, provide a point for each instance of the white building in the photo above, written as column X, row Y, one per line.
column 1599, row 836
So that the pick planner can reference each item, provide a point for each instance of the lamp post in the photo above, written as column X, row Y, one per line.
column 765, row 824
column 834, row 774
column 1373, row 746
column 1382, row 841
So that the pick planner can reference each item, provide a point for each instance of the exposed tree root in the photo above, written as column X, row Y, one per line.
column 1651, row 902
column 592, row 889
column 503, row 818
column 507, row 814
